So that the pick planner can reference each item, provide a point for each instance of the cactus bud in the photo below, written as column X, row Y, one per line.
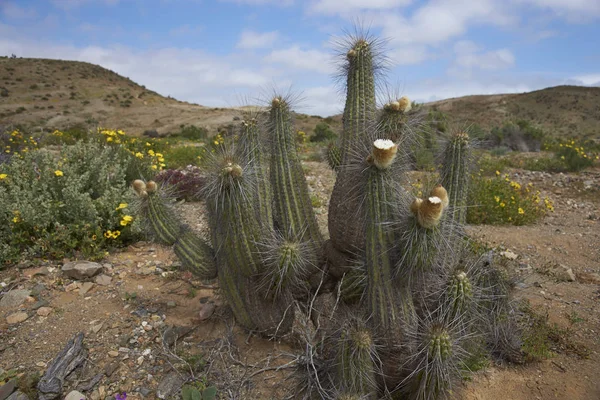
column 415, row 206
column 384, row 153
column 430, row 212
column 151, row 187
column 440, row 345
column 139, row 186
column 440, row 191
column 276, row 102
column 351, row 53
column 404, row 104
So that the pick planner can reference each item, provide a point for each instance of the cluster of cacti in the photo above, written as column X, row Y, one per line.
column 394, row 261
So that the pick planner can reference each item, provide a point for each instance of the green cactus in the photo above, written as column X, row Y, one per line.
column 346, row 213
column 333, row 155
column 393, row 119
column 460, row 292
column 292, row 204
column 253, row 155
column 355, row 365
column 379, row 237
column 456, row 175
column 195, row 255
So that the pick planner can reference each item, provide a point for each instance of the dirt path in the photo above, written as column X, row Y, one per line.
column 131, row 317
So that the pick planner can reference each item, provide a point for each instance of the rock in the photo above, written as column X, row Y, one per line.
column 103, row 280
column 170, row 385
column 565, row 274
column 206, row 311
column 171, row 304
column 14, row 298
column 96, row 328
column 81, row 269
column 589, row 277
column 39, row 304
column 31, row 272
column 18, row 395
column 75, row 395
column 110, row 368
column 85, row 287
column 38, row 289
column 145, row 392
column 509, row 254
column 7, row 389
column 113, row 353
column 44, row 311
column 173, row 333
column 16, row 318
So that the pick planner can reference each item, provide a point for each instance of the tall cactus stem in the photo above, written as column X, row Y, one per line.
column 455, row 175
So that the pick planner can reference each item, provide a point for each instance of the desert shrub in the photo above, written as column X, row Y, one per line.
column 322, row 133
column 192, row 132
column 182, row 156
column 521, row 135
column 185, row 183
column 574, row 156
column 67, row 203
column 499, row 200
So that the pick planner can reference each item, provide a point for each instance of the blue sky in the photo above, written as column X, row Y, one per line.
column 218, row 53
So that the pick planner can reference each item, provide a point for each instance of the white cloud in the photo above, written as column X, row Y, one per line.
column 588, row 79
column 296, row 58
column 256, row 40
column 573, row 10
column 12, row 11
column 322, row 100
column 469, row 56
column 261, row 2
column 348, row 6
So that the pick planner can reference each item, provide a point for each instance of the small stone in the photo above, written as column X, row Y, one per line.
column 81, row 269
column 41, row 364
column 147, row 352
column 96, row 328
column 206, row 311
column 40, row 304
column 18, row 395
column 103, row 280
column 85, row 287
column 14, row 298
column 71, row 287
column 16, row 318
column 123, row 350
column 170, row 385
column 148, row 328
column 509, row 254
column 75, row 395
column 171, row 304
column 113, row 353
column 565, row 274
column 44, row 311
column 145, row 392
column 140, row 360
column 110, row 368
column 38, row 289
column 7, row 388
column 31, row 272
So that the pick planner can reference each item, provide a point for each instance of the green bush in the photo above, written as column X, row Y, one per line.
column 322, row 133
column 192, row 132
column 499, row 200
column 67, row 203
column 182, row 156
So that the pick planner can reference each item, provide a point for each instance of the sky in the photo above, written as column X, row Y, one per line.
column 225, row 53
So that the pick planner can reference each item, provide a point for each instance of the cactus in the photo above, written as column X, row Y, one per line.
column 379, row 238
column 455, row 175
column 391, row 258
column 355, row 361
column 293, row 207
column 253, row 154
column 333, row 155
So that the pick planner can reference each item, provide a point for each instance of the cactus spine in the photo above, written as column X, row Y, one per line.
column 333, row 155
column 195, row 255
column 293, row 207
column 455, row 175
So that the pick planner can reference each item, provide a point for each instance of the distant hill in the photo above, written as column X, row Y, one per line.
column 56, row 94
column 49, row 94
column 566, row 111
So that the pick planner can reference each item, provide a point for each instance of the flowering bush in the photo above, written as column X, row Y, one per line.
column 67, row 203
column 499, row 200
column 186, row 183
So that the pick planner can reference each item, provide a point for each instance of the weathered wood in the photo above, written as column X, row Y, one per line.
column 73, row 355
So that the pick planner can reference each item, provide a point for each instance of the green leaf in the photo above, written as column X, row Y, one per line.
column 209, row 393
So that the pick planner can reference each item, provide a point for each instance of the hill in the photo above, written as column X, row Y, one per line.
column 56, row 94
column 568, row 111
column 49, row 94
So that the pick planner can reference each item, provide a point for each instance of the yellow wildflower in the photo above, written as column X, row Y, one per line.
column 497, row 173
column 3, row 176
column 497, row 198
column 58, row 172
column 126, row 220
column 521, row 211
column 121, row 206
column 502, row 204
column 139, row 155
